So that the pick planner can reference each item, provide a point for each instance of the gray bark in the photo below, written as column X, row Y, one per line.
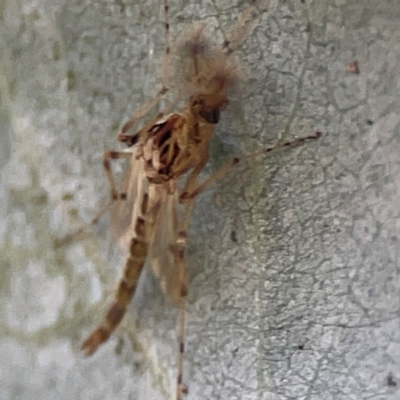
column 293, row 259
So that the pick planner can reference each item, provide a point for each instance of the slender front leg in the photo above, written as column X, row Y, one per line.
column 123, row 135
column 216, row 176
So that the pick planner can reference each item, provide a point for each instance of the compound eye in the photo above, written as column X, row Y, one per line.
column 211, row 116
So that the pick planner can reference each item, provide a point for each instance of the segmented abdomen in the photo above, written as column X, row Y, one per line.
column 138, row 249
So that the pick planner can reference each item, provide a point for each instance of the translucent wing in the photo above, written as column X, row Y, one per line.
column 126, row 211
column 163, row 214
column 163, row 242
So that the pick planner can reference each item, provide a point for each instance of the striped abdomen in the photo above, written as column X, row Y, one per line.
column 126, row 289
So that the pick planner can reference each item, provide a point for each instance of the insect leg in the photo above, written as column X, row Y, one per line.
column 83, row 229
column 146, row 108
column 179, row 251
column 108, row 156
column 191, row 194
column 243, row 25
column 143, row 111
column 167, row 62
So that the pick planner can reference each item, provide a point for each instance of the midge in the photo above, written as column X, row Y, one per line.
column 151, row 214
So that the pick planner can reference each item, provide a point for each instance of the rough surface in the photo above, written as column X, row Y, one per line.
column 294, row 259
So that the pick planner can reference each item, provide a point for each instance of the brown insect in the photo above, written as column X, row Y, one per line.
column 168, row 148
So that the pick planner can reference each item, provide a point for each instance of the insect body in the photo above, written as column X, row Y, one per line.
column 149, row 224
column 146, row 213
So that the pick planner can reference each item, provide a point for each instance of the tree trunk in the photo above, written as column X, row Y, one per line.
column 293, row 259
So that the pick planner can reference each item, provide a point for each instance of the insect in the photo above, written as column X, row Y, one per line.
column 152, row 213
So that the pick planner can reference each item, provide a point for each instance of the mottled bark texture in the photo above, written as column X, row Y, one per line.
column 293, row 259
